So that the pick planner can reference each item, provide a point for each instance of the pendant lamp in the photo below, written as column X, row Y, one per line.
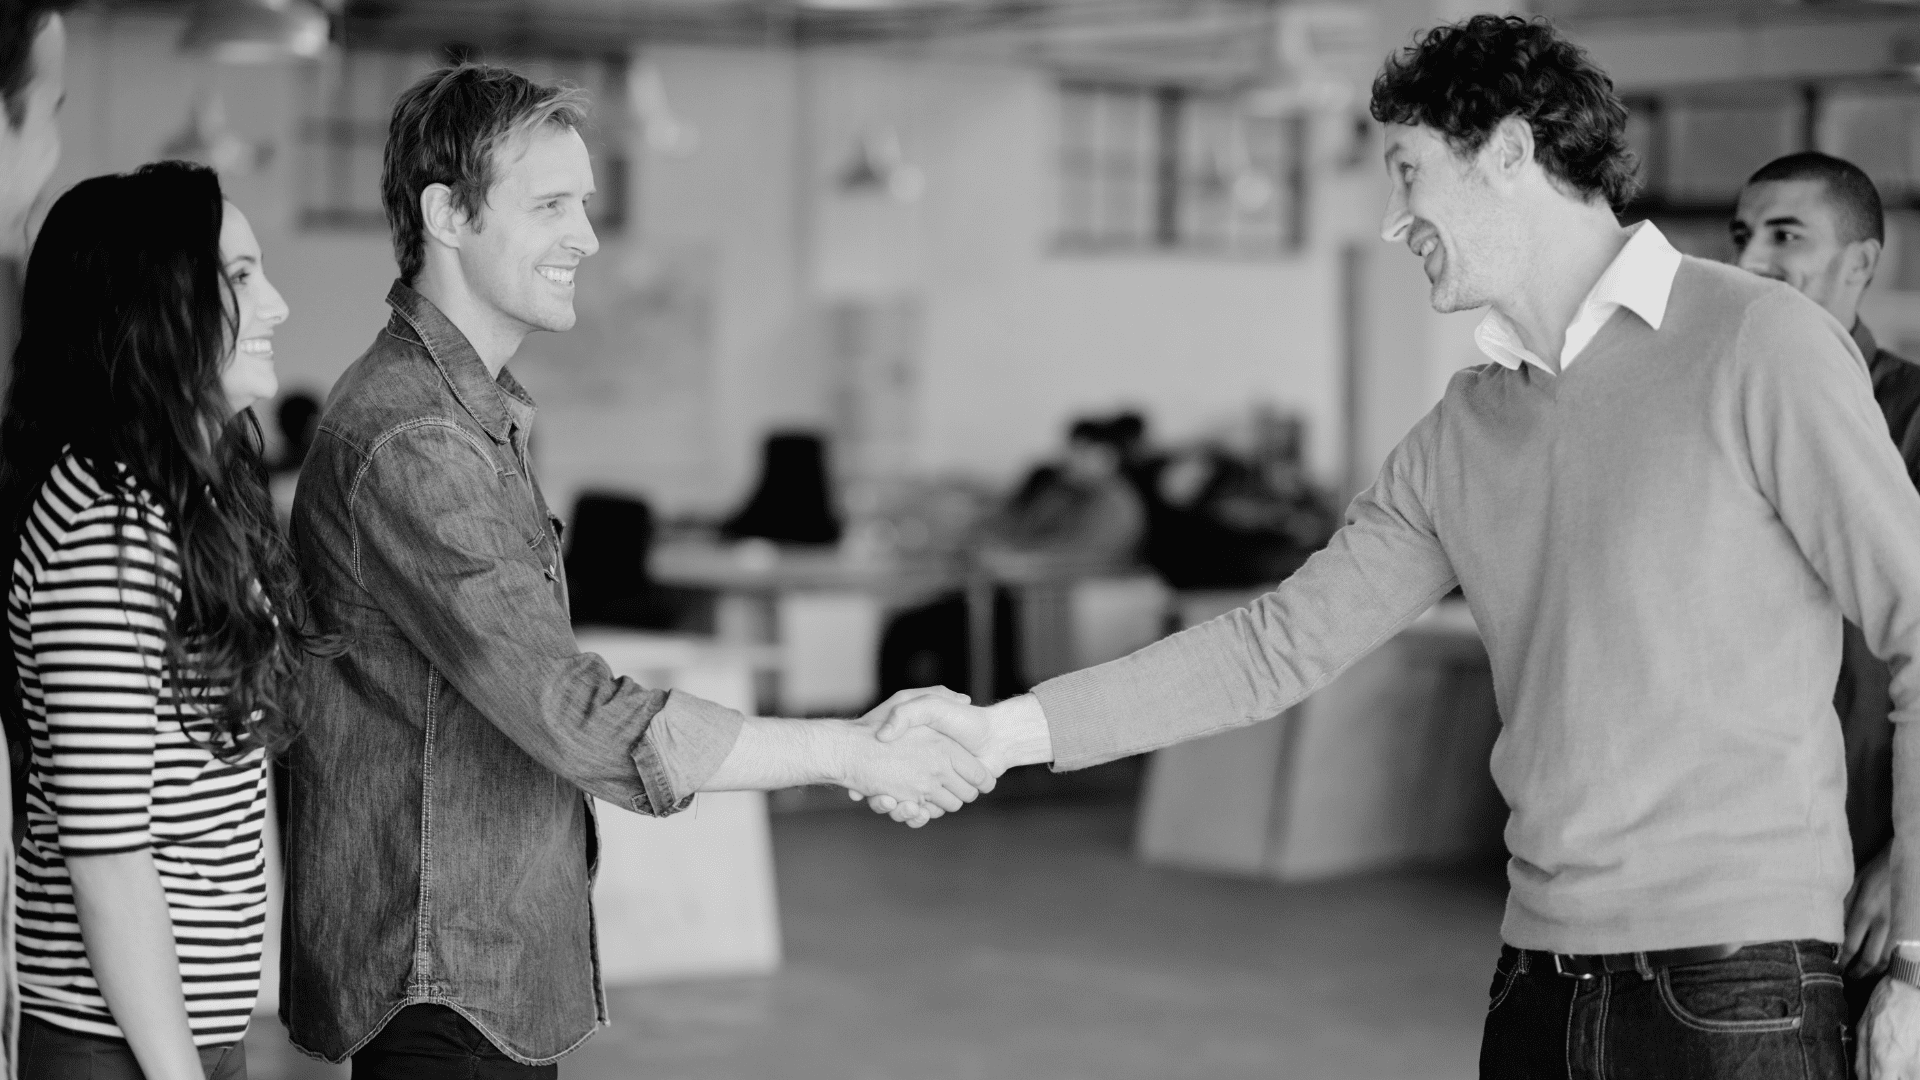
column 256, row 31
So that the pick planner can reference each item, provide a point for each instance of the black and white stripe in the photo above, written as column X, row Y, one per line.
column 115, row 770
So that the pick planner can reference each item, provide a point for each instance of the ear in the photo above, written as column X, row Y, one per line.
column 1863, row 258
column 441, row 218
column 1509, row 148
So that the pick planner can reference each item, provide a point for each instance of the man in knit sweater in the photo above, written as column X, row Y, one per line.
column 1816, row 223
column 1660, row 495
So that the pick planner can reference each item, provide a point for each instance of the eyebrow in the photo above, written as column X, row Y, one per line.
column 244, row 259
column 1787, row 220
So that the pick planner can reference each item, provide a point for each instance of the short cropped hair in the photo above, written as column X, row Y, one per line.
column 20, row 23
column 1463, row 79
column 445, row 130
column 1848, row 188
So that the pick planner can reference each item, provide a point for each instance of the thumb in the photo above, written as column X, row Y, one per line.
column 907, row 715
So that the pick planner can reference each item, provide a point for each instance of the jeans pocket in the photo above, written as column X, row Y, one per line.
column 1734, row 996
column 1505, row 973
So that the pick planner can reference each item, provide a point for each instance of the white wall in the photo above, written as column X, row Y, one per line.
column 1018, row 337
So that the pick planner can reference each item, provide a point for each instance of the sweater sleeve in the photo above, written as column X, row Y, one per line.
column 1840, row 488
column 1377, row 575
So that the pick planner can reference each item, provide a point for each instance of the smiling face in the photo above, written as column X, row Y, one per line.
column 519, row 261
column 248, row 376
column 1789, row 230
column 1442, row 207
column 28, row 153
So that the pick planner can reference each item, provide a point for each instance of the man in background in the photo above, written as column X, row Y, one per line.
column 1815, row 222
column 33, row 50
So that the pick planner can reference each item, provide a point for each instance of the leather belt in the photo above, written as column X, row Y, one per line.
column 1591, row 965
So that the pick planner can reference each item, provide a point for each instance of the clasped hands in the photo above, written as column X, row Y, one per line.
column 932, row 752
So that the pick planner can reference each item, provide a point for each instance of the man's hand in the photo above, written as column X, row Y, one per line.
column 959, row 720
column 1869, row 943
column 1013, row 732
column 923, row 769
column 1889, row 1034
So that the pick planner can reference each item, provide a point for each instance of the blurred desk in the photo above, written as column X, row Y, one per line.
column 1069, row 614
column 1385, row 766
column 690, row 894
column 821, row 608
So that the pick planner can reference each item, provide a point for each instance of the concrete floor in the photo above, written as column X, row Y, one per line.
column 1021, row 941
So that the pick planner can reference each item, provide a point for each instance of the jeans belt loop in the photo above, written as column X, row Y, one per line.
column 1641, row 965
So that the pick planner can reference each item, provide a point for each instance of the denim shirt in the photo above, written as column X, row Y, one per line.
column 441, row 842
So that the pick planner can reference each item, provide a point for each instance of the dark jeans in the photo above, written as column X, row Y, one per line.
column 1769, row 1012
column 432, row 1042
column 54, row 1053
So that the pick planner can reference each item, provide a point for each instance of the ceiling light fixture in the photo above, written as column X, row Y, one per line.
column 880, row 166
column 256, row 31
column 208, row 139
column 661, row 129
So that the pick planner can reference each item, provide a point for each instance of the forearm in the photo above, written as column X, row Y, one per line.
column 776, row 753
column 128, row 935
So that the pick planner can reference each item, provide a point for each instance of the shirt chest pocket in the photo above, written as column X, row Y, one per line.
column 545, row 546
column 542, row 529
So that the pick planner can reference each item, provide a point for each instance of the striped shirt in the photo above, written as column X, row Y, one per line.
column 114, row 768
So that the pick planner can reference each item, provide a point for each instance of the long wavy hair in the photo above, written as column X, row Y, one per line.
column 128, row 321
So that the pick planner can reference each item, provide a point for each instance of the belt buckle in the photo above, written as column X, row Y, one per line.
column 1564, row 973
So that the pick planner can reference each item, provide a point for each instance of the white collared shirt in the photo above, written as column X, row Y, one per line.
column 1639, row 279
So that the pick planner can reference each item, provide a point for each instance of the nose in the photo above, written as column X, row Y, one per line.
column 1754, row 259
column 273, row 307
column 583, row 242
column 1396, row 223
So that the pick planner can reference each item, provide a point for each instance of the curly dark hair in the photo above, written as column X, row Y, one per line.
column 1463, row 79
column 127, row 322
column 444, row 131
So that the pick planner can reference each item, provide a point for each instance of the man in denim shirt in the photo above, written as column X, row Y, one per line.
column 441, row 841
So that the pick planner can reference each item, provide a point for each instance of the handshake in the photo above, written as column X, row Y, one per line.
column 931, row 751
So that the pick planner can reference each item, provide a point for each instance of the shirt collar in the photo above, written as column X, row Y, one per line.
column 1639, row 279
column 497, row 405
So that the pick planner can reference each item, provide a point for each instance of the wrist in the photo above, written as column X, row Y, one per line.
column 838, row 756
column 1905, row 964
column 1020, row 734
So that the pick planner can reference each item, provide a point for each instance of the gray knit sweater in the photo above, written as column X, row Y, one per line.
column 1658, row 546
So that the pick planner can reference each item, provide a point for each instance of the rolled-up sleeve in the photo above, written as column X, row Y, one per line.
column 452, row 566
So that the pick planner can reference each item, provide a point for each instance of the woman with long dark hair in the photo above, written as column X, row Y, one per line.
column 156, row 627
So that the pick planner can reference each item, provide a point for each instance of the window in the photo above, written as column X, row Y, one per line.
column 1178, row 169
column 1698, row 145
column 349, row 100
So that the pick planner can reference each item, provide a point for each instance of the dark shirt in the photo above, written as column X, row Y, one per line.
column 1862, row 697
column 440, row 840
